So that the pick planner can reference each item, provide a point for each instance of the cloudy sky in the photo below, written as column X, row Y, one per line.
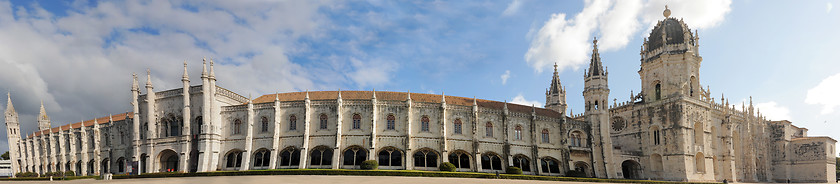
column 78, row 56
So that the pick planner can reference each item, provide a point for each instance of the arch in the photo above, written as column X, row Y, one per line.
column 121, row 165
column 425, row 157
column 576, row 138
column 458, row 126
column 237, row 127
column 357, row 121
column 545, row 136
column 106, row 166
column 354, row 156
column 321, row 156
column 200, row 122
column 390, row 156
column 289, row 157
column 488, row 129
column 262, row 158
column 698, row 133
column 596, row 105
column 491, row 161
column 656, row 162
column 580, row 167
column 461, row 159
column 713, row 137
column 699, row 163
column 91, row 167
column 78, row 171
column 292, row 122
column 168, row 160
column 323, row 122
column 631, row 169
column 657, row 90
column 391, row 122
column 517, row 132
column 424, row 123
column 522, row 162
column 143, row 163
column 552, row 165
column 264, row 124
column 233, row 159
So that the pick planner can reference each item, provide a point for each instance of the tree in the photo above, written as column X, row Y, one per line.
column 5, row 156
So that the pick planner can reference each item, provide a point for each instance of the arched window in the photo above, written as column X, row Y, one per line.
column 522, row 162
column 576, row 139
column 323, row 121
column 234, row 160
column 425, row 158
column 293, row 122
column 693, row 84
column 354, row 155
column 120, row 165
column 460, row 159
column 264, row 127
column 698, row 133
column 175, row 126
column 237, row 127
column 655, row 135
column 390, row 157
column 517, row 132
column 357, row 121
column 491, row 161
column 596, row 105
column 550, row 165
column 424, row 124
column 488, row 129
column 290, row 157
column 391, row 125
column 457, row 126
column 658, row 89
column 700, row 163
column 262, row 158
column 321, row 156
column 200, row 121
column 545, row 138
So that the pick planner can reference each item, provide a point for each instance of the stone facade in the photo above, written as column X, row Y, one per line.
column 671, row 130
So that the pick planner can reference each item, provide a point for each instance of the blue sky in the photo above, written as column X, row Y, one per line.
column 78, row 56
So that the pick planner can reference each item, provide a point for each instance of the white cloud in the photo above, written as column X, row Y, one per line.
column 519, row 99
column 828, row 7
column 774, row 111
column 512, row 8
column 568, row 41
column 825, row 94
column 505, row 77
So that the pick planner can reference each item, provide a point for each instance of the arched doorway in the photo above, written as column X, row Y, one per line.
column 106, row 166
column 631, row 169
column 353, row 157
column 425, row 159
column 168, row 161
column 143, row 163
column 582, row 169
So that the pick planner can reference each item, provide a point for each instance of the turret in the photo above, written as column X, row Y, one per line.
column 150, row 106
column 596, row 93
column 43, row 119
column 13, row 134
column 670, row 64
column 555, row 95
column 596, row 89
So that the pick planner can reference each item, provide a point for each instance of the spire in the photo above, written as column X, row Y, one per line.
column 475, row 102
column 307, row 95
column 339, row 93
column 277, row 96
column 442, row 97
column 185, row 77
column 212, row 72
column 408, row 94
column 9, row 106
column 43, row 112
column 555, row 82
column 595, row 66
column 204, row 67
column 148, row 78
column 374, row 94
column 134, row 85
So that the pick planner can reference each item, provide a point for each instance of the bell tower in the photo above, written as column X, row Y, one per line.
column 596, row 92
column 670, row 61
column 43, row 119
column 555, row 96
column 13, row 134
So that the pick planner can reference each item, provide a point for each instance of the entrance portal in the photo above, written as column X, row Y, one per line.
column 168, row 161
column 631, row 169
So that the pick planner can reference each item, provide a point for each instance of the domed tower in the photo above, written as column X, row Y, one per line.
column 555, row 96
column 670, row 62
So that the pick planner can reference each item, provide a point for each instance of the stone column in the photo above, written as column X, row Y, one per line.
column 307, row 119
column 338, row 128
column 249, row 138
column 409, row 157
column 275, row 138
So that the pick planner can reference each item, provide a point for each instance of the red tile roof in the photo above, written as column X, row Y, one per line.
column 101, row 120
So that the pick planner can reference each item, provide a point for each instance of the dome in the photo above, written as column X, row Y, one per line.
column 674, row 32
